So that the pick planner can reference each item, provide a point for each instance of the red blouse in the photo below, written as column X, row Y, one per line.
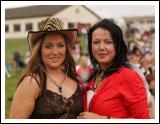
column 121, row 95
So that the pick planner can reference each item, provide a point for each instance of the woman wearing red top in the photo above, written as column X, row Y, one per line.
column 113, row 90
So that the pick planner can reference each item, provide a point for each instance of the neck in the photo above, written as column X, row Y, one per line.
column 104, row 67
column 57, row 76
column 55, row 72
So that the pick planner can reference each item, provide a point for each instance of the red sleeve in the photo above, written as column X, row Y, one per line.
column 134, row 95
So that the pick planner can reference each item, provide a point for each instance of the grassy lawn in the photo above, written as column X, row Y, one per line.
column 12, row 45
column 82, row 40
column 10, row 86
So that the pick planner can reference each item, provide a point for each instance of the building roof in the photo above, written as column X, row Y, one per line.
column 33, row 11
column 92, row 12
column 37, row 11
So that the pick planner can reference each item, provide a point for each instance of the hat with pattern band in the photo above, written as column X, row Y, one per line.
column 51, row 25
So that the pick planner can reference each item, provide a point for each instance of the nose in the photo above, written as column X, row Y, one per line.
column 54, row 50
column 102, row 46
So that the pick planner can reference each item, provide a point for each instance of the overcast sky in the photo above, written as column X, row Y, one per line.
column 114, row 11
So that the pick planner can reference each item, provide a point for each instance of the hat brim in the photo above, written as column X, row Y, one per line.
column 71, row 34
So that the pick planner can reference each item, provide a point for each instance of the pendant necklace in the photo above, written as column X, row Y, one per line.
column 58, row 86
column 56, row 83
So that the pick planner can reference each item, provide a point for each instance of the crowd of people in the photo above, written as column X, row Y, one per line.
column 141, row 53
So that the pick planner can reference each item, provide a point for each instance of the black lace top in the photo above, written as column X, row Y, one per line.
column 50, row 105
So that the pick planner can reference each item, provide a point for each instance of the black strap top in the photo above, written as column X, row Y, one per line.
column 50, row 105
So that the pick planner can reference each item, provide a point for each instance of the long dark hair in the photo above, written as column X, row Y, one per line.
column 120, row 47
column 35, row 66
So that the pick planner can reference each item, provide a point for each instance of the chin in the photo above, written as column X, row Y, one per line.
column 55, row 65
column 103, row 61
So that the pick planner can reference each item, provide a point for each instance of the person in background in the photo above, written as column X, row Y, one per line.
column 18, row 60
column 84, row 70
column 113, row 89
column 7, row 71
column 50, row 88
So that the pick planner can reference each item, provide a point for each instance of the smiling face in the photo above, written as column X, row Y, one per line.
column 53, row 50
column 103, row 48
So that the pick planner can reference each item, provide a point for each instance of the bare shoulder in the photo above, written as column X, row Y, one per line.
column 30, row 86
column 30, row 80
column 24, row 98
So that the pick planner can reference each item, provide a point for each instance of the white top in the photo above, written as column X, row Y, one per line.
column 90, row 94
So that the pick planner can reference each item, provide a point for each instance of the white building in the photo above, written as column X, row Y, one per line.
column 18, row 21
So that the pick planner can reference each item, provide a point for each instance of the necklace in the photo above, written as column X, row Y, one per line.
column 59, row 86
column 98, row 80
column 56, row 83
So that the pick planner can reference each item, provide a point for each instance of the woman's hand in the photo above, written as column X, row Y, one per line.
column 90, row 115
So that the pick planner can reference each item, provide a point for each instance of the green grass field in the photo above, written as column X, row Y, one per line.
column 20, row 45
column 12, row 45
